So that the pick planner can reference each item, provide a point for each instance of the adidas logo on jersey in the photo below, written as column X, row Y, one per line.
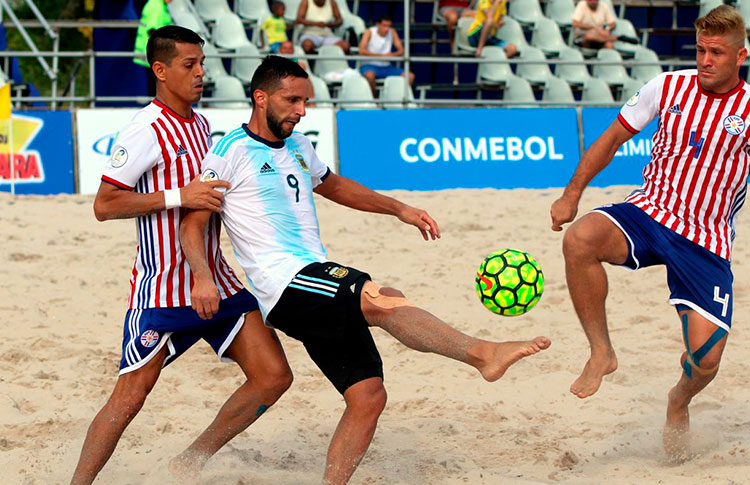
column 675, row 110
column 266, row 169
column 181, row 152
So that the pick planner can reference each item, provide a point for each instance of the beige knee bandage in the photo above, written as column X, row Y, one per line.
column 380, row 297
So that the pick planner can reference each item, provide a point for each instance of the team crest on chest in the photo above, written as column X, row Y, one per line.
column 301, row 160
column 149, row 338
column 734, row 124
column 209, row 176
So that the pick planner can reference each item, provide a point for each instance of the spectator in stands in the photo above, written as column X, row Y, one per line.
column 288, row 48
column 274, row 28
column 451, row 11
column 318, row 18
column 380, row 41
column 488, row 18
column 594, row 22
column 154, row 15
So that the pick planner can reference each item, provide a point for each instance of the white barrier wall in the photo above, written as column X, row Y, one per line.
column 96, row 131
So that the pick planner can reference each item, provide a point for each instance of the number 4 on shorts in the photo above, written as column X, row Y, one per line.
column 724, row 301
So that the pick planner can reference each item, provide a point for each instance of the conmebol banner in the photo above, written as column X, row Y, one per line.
column 430, row 149
column 97, row 131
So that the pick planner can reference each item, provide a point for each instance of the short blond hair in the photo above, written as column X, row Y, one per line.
column 723, row 20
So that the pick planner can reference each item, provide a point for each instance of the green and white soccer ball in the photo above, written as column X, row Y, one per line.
column 509, row 282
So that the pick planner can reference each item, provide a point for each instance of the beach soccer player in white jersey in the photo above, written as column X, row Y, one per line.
column 152, row 175
column 682, row 217
column 270, row 216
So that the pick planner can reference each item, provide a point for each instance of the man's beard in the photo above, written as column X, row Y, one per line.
column 275, row 125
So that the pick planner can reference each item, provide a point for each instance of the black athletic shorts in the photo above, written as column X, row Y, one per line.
column 321, row 308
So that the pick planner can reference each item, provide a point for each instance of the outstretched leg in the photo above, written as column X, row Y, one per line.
column 257, row 350
column 418, row 329
column 706, row 344
column 365, row 402
column 593, row 239
column 105, row 430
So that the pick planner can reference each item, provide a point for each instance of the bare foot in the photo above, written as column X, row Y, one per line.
column 497, row 357
column 593, row 372
column 675, row 436
column 184, row 469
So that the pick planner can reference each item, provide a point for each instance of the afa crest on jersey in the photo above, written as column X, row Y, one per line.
column 301, row 160
column 149, row 338
column 734, row 124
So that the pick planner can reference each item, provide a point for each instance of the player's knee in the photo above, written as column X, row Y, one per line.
column 576, row 242
column 275, row 382
column 710, row 362
column 129, row 400
column 369, row 402
column 381, row 301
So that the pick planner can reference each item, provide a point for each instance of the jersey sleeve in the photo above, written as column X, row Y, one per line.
column 215, row 167
column 643, row 107
column 135, row 151
column 319, row 171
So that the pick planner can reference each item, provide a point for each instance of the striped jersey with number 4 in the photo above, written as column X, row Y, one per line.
column 160, row 150
column 695, row 183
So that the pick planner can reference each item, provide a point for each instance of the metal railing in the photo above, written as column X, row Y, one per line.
column 89, row 57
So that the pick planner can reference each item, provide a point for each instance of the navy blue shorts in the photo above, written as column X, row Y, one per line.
column 698, row 279
column 179, row 328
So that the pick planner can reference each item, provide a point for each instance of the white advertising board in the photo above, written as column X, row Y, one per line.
column 96, row 131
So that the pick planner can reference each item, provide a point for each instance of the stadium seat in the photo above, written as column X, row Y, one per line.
column 518, row 90
column 611, row 74
column 320, row 91
column 490, row 72
column 462, row 40
column 213, row 66
column 572, row 73
column 527, row 12
column 178, row 6
column 290, row 13
column 254, row 10
column 187, row 19
column 706, row 6
column 561, row 11
column 645, row 73
column 229, row 87
column 436, row 17
column 558, row 91
column 743, row 7
column 394, row 89
column 510, row 31
column 229, row 33
column 356, row 88
column 596, row 91
column 629, row 89
column 244, row 68
column 210, row 10
column 537, row 73
column 353, row 23
column 547, row 37
column 324, row 66
column 625, row 28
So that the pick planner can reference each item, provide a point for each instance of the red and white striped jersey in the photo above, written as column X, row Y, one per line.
column 695, row 183
column 160, row 150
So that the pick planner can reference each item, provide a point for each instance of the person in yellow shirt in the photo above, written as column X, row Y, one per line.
column 274, row 28
column 489, row 17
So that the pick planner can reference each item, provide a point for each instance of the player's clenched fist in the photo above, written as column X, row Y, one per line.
column 204, row 298
column 563, row 210
column 203, row 195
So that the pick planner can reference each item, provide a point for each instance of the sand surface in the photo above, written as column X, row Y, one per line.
column 63, row 290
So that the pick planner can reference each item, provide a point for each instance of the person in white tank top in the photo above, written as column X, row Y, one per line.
column 380, row 41
column 318, row 18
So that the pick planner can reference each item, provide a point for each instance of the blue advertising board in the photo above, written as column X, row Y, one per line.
column 626, row 167
column 41, row 143
column 431, row 149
